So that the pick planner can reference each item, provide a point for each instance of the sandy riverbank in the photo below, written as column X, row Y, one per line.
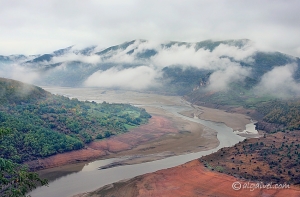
column 235, row 121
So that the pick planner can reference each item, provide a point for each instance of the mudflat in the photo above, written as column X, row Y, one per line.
column 236, row 121
column 188, row 137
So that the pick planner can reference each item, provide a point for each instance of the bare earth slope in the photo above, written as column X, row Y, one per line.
column 188, row 180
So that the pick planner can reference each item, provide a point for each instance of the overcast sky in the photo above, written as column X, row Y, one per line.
column 41, row 26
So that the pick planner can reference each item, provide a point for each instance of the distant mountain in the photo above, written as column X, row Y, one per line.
column 171, row 67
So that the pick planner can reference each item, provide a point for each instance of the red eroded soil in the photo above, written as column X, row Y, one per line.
column 193, row 179
column 65, row 158
column 190, row 180
column 157, row 127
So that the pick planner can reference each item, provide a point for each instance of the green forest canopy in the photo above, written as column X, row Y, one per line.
column 15, row 180
column 44, row 124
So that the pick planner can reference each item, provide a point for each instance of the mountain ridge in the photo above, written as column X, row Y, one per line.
column 178, row 67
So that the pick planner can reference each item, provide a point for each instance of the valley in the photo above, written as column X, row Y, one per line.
column 165, row 132
column 254, row 160
column 158, row 104
column 187, row 137
column 149, row 98
column 133, row 105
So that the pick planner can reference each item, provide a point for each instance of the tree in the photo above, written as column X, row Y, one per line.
column 15, row 179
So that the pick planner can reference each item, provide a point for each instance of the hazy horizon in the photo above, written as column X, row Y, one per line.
column 37, row 27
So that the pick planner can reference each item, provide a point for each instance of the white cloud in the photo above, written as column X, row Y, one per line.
column 279, row 82
column 148, row 44
column 202, row 58
column 32, row 26
column 225, row 71
column 220, row 79
column 182, row 55
column 134, row 78
column 92, row 59
column 121, row 57
column 235, row 52
column 17, row 72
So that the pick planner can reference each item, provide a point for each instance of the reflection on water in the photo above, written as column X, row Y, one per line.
column 55, row 173
column 90, row 178
column 96, row 164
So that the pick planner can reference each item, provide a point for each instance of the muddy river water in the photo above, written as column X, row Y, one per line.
column 90, row 178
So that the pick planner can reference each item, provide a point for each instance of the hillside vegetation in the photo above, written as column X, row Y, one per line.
column 43, row 124
column 15, row 180
column 272, row 158
column 284, row 113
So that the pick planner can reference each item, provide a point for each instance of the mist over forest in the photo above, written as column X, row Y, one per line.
column 179, row 67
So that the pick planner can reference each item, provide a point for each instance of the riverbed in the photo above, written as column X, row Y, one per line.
column 90, row 177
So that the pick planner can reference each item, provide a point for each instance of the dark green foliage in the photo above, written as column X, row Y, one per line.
column 13, row 92
column 15, row 180
column 43, row 124
column 181, row 80
column 107, row 134
column 237, row 94
column 286, row 113
column 273, row 158
column 99, row 136
column 267, row 61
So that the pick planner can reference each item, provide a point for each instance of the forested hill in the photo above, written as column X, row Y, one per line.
column 282, row 114
column 14, row 92
column 43, row 124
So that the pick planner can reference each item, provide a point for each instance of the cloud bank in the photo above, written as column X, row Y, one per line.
column 123, row 68
column 41, row 26
column 279, row 82
column 141, row 77
column 17, row 72
column 91, row 59
column 220, row 79
column 221, row 61
column 202, row 58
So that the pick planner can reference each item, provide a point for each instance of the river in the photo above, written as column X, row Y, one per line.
column 90, row 178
